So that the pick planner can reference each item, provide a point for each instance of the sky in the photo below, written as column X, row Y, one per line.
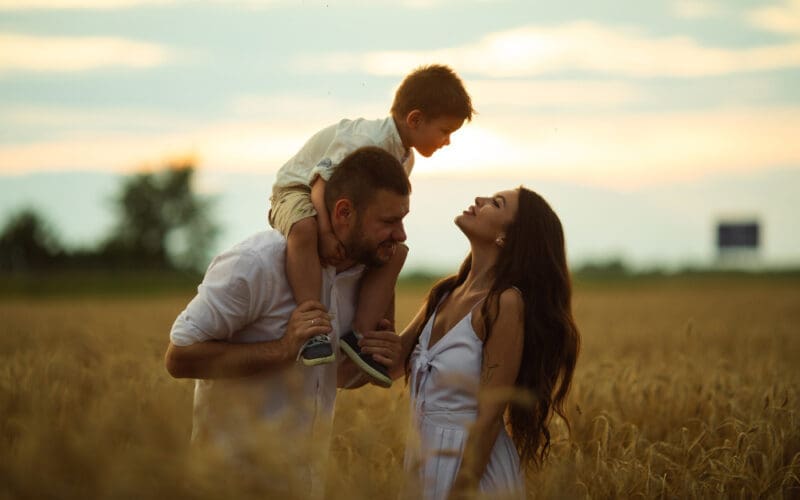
column 643, row 123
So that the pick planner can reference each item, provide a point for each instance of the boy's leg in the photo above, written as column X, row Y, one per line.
column 375, row 302
column 376, row 296
column 304, row 273
column 302, row 260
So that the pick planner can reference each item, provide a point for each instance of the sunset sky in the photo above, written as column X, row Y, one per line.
column 617, row 100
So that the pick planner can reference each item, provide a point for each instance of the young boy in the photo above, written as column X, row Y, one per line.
column 430, row 104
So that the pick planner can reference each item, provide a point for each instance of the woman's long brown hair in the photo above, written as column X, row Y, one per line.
column 533, row 260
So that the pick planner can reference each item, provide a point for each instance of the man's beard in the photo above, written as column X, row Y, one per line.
column 360, row 250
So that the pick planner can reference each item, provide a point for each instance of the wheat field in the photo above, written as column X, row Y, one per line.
column 683, row 390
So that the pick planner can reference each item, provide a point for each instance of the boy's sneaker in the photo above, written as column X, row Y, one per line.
column 317, row 350
column 376, row 371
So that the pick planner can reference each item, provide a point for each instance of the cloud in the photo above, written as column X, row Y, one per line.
column 64, row 121
column 70, row 54
column 76, row 4
column 696, row 9
column 260, row 133
column 241, row 146
column 783, row 18
column 580, row 46
column 562, row 94
column 601, row 147
column 313, row 109
column 249, row 4
column 631, row 149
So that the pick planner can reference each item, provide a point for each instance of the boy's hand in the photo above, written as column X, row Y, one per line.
column 383, row 344
column 331, row 250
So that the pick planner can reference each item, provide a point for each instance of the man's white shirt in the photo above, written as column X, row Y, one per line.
column 245, row 297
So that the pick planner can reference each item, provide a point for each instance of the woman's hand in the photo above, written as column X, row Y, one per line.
column 383, row 344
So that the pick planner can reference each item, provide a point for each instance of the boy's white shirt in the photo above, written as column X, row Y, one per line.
column 321, row 154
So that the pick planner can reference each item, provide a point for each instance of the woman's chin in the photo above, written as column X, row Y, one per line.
column 459, row 221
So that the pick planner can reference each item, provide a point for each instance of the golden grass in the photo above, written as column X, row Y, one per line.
column 682, row 391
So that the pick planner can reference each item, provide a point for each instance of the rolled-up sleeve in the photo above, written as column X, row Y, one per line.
column 342, row 145
column 223, row 304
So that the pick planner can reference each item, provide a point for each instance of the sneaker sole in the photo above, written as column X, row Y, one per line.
column 319, row 361
column 377, row 376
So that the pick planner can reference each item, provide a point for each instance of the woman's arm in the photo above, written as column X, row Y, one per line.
column 408, row 340
column 384, row 346
column 391, row 349
column 502, row 354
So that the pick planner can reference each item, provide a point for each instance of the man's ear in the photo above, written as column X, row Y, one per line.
column 343, row 211
column 415, row 118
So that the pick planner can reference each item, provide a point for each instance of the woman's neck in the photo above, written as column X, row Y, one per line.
column 481, row 273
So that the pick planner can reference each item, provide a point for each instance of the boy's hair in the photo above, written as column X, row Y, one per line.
column 362, row 173
column 435, row 90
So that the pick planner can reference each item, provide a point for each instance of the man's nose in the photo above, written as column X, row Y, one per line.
column 399, row 234
column 479, row 200
column 447, row 140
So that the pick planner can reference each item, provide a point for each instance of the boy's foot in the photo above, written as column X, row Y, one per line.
column 317, row 350
column 376, row 371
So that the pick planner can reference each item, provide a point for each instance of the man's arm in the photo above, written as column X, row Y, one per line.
column 220, row 359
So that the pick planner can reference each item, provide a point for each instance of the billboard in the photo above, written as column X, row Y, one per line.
column 738, row 235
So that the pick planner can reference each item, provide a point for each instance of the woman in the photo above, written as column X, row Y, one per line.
column 501, row 327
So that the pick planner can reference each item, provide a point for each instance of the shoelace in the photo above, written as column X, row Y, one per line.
column 317, row 339
column 313, row 341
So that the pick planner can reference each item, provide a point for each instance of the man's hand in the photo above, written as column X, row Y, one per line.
column 309, row 319
column 383, row 344
column 331, row 250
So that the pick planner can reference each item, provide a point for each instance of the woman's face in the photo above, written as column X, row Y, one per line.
column 489, row 217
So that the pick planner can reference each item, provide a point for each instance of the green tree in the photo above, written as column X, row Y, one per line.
column 27, row 243
column 162, row 223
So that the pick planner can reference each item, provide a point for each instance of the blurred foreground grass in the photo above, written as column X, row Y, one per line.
column 683, row 390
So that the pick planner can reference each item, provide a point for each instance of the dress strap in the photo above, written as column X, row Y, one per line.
column 476, row 304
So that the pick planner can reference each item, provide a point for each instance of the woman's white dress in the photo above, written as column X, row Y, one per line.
column 444, row 380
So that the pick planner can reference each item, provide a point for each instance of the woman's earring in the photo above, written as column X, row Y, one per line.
column 500, row 241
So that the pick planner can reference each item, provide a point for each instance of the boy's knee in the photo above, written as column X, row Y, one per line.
column 303, row 231
column 401, row 250
column 400, row 254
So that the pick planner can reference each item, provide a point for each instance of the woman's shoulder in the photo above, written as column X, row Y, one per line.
column 511, row 296
column 511, row 303
column 508, row 307
column 509, row 300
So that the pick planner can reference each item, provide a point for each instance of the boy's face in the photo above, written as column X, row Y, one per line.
column 427, row 136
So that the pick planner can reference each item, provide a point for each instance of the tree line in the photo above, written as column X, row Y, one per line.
column 161, row 224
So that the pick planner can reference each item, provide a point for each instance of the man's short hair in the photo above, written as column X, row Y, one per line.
column 362, row 173
column 435, row 90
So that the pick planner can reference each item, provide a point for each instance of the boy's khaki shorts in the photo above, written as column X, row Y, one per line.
column 290, row 204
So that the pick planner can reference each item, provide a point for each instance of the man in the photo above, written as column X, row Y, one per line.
column 241, row 334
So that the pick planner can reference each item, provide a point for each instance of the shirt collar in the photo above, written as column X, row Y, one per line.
column 356, row 269
column 399, row 150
